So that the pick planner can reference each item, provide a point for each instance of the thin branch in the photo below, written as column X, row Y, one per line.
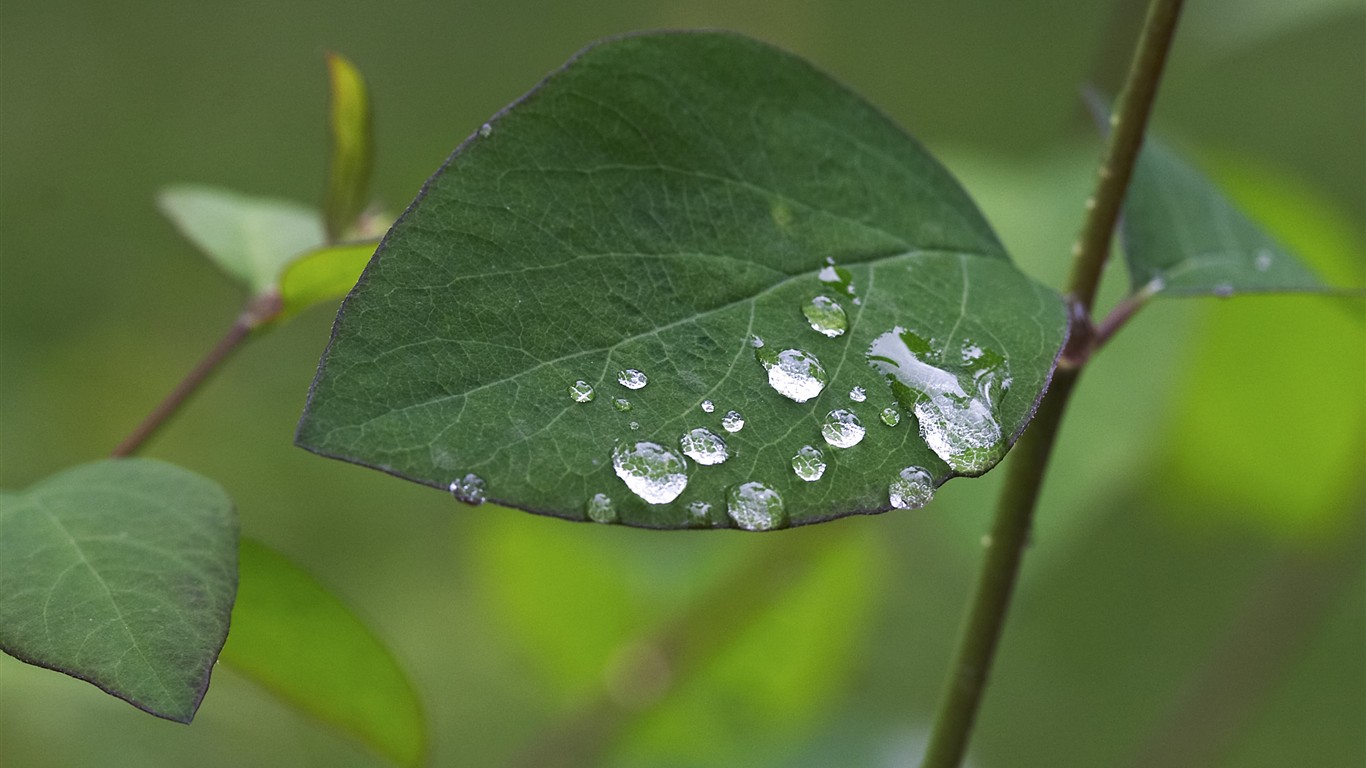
column 981, row 630
column 257, row 311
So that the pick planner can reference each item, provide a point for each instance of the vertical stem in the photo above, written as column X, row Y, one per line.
column 996, row 582
column 1128, row 123
column 257, row 311
column 1015, row 508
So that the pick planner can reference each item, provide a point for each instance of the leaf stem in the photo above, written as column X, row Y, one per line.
column 258, row 310
column 981, row 630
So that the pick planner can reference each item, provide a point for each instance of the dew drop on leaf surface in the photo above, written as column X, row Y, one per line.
column 858, row 394
column 809, row 463
column 654, row 473
column 582, row 392
column 700, row 511
column 621, row 404
column 954, row 397
column 704, row 446
column 632, row 379
column 826, row 316
column 469, row 489
column 913, row 488
column 708, row 406
column 600, row 509
column 733, row 421
column 794, row 374
column 891, row 416
column 754, row 506
column 842, row 428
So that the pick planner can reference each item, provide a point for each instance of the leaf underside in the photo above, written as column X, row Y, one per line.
column 121, row 573
column 654, row 205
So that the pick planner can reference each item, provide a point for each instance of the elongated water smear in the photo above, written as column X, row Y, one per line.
column 955, row 397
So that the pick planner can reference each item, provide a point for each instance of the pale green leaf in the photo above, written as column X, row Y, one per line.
column 252, row 239
column 322, row 275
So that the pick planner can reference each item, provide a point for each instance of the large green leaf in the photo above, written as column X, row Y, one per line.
column 658, row 205
column 250, row 238
column 121, row 573
column 297, row 639
column 1183, row 237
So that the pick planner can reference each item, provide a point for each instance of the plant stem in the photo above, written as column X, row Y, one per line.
column 1029, row 460
column 996, row 582
column 1128, row 123
column 258, row 310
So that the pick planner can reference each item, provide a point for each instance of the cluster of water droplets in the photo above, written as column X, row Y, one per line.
column 955, row 396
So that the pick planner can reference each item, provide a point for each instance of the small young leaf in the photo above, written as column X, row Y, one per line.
column 121, row 573
column 353, row 153
column 324, row 274
column 298, row 640
column 250, row 238
column 637, row 226
column 1182, row 237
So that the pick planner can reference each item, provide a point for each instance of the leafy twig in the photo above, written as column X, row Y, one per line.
column 1015, row 508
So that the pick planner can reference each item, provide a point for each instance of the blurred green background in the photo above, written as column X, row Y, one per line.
column 1194, row 594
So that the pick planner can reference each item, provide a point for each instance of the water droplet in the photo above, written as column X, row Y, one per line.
column 700, row 511
column 826, row 316
column 954, row 397
column 891, row 416
column 809, row 463
column 733, row 421
column 756, row 507
column 1223, row 290
column 634, row 425
column 632, row 379
column 913, row 488
column 858, row 394
column 708, row 406
column 837, row 278
column 469, row 489
column 756, row 342
column 1263, row 260
column 601, row 510
column 704, row 446
column 621, row 404
column 652, row 472
column 842, row 428
column 582, row 392
column 794, row 374
column 485, row 130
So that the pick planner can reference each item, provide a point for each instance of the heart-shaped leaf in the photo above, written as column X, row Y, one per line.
column 1183, row 237
column 674, row 234
column 121, row 573
column 294, row 637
